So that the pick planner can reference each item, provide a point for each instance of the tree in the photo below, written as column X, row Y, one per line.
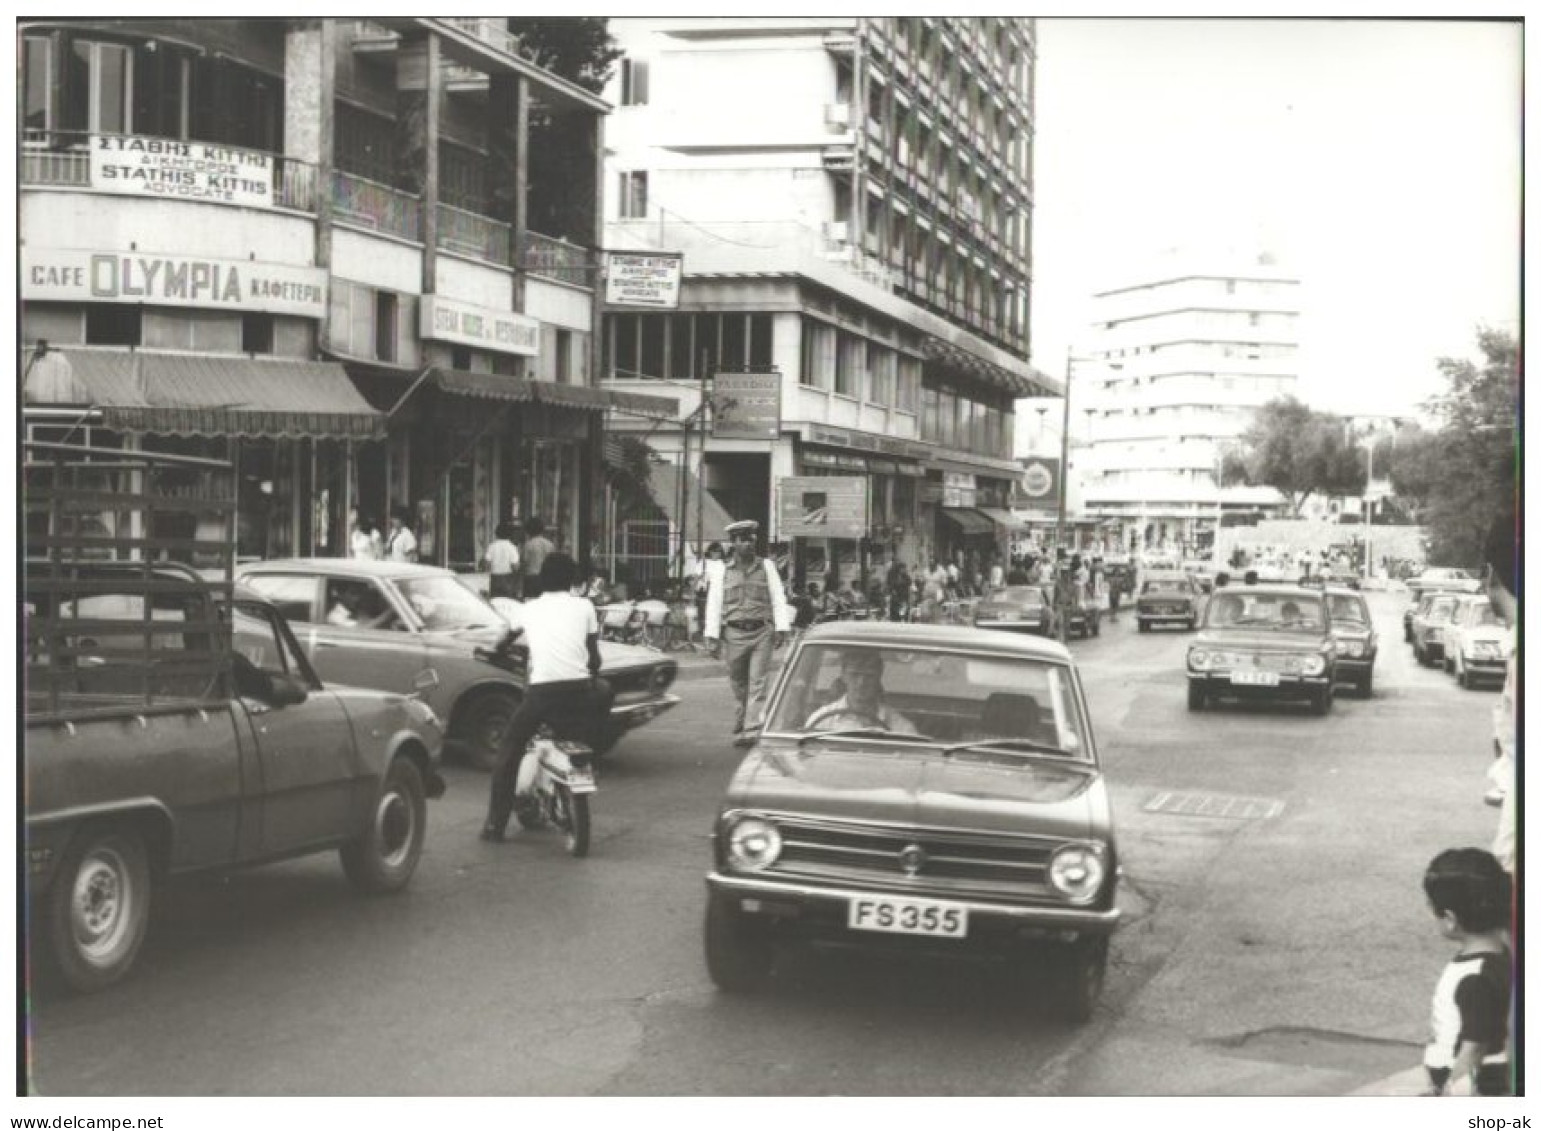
column 1300, row 452
column 1412, row 463
column 578, row 48
column 1476, row 448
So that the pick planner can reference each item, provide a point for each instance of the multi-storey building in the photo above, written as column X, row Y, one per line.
column 853, row 199
column 334, row 250
column 1179, row 361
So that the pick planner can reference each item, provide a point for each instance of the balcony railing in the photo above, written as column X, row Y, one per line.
column 556, row 259
column 472, row 234
column 368, row 204
column 61, row 159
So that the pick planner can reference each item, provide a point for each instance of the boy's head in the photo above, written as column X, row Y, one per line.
column 557, row 573
column 1471, row 887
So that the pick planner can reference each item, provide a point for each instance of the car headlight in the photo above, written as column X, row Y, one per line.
column 1199, row 660
column 1076, row 871
column 1485, row 650
column 753, row 844
column 662, row 676
column 1353, row 647
column 1313, row 665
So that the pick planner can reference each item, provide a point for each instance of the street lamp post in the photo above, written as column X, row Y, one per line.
column 1369, row 474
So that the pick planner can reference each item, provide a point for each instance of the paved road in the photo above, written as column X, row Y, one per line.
column 1287, row 954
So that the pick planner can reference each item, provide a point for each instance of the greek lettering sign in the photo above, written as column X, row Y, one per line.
column 746, row 406
column 652, row 279
column 503, row 331
column 865, row 441
column 823, row 506
column 181, row 170
column 68, row 275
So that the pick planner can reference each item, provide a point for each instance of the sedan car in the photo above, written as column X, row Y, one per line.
column 1477, row 644
column 1167, row 597
column 1445, row 578
column 1268, row 642
column 1429, row 622
column 1356, row 638
column 401, row 626
column 922, row 787
column 1016, row 608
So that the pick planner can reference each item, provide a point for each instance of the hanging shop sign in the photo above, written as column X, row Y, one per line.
column 823, row 506
column 650, row 280
column 958, row 489
column 69, row 275
column 866, row 442
column 463, row 323
column 1038, row 485
column 746, row 406
column 181, row 170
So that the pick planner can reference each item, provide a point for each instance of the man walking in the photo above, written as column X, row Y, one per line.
column 747, row 616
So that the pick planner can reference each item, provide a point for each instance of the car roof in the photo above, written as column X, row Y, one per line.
column 345, row 567
column 1166, row 575
column 1035, row 590
column 890, row 634
column 1277, row 589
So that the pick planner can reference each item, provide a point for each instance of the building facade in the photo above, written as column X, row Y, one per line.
column 1178, row 362
column 327, row 249
column 853, row 200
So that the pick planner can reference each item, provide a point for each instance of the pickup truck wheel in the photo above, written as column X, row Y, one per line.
column 384, row 858
column 99, row 907
column 738, row 958
column 1083, row 971
column 485, row 722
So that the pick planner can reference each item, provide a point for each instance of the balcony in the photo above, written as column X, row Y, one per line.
column 62, row 160
column 362, row 203
column 468, row 233
column 557, row 260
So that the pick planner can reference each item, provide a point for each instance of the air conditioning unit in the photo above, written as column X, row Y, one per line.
column 837, row 231
column 838, row 115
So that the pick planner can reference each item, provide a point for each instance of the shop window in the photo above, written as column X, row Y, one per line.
column 634, row 82
column 733, row 341
column 460, row 358
column 682, row 349
column 563, row 371
column 257, row 333
column 385, row 325
column 761, row 353
column 114, row 324
column 818, row 361
column 622, row 341
column 98, row 87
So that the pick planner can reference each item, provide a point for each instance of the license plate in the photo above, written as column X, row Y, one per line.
column 900, row 916
column 1256, row 679
column 581, row 781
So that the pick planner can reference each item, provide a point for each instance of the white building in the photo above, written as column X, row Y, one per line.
column 1180, row 358
column 852, row 197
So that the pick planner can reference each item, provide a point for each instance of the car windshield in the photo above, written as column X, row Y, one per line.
column 1285, row 612
column 930, row 697
column 445, row 605
column 1441, row 610
column 1350, row 609
column 1019, row 595
column 1482, row 613
column 1166, row 585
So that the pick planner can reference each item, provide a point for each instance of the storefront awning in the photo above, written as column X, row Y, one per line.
column 199, row 395
column 585, row 398
column 664, row 486
column 968, row 520
column 492, row 386
column 1003, row 518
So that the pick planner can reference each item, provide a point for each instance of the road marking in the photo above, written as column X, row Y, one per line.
column 1185, row 804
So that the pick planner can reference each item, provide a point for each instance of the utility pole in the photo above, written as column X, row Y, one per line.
column 1064, row 481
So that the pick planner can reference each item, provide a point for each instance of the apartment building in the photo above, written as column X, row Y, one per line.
column 853, row 201
column 1178, row 362
column 341, row 252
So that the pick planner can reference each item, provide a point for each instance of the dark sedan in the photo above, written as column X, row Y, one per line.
column 1016, row 608
column 1167, row 597
column 1264, row 642
column 1356, row 639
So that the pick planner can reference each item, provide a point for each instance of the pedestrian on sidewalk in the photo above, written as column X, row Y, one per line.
column 1468, row 1051
column 401, row 545
column 747, row 616
column 533, row 556
column 1501, row 550
column 502, row 558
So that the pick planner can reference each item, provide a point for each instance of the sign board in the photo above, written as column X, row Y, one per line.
column 181, row 170
column 649, row 279
column 746, row 406
column 1038, row 484
column 69, row 275
column 502, row 331
column 865, row 441
column 823, row 506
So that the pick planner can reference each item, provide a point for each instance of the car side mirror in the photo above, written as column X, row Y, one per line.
column 288, row 691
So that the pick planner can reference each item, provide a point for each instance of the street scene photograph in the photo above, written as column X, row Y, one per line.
column 765, row 558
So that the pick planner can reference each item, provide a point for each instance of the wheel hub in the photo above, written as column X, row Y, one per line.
column 393, row 826
column 99, row 904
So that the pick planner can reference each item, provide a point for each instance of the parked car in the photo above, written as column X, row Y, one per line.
column 1358, row 643
column 1445, row 578
column 966, row 813
column 408, row 619
column 1429, row 621
column 1167, row 597
column 1203, row 574
column 1417, row 600
column 1016, row 608
column 1270, row 642
column 1477, row 643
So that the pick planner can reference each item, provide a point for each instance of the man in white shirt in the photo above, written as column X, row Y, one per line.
column 861, row 670
column 561, row 631
column 401, row 545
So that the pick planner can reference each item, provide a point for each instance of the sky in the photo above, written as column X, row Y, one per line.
column 1380, row 160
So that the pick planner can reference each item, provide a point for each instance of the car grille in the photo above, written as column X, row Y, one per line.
column 953, row 863
column 1267, row 662
column 642, row 683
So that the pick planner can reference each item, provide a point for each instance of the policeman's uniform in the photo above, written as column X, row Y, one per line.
column 745, row 608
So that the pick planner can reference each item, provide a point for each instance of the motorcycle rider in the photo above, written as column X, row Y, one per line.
column 561, row 631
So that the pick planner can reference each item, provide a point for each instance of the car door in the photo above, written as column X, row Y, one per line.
column 308, row 770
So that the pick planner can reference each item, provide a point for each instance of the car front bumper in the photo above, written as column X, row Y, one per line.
column 1288, row 687
column 1495, row 670
column 632, row 715
column 1350, row 668
column 816, row 910
column 1166, row 615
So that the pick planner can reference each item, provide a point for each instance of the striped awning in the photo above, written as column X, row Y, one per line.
column 207, row 395
column 584, row 398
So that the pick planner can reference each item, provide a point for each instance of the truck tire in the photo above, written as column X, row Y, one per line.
column 385, row 856
column 98, row 909
column 485, row 721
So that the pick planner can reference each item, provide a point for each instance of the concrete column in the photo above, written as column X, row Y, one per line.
column 597, row 199
column 418, row 89
column 310, row 83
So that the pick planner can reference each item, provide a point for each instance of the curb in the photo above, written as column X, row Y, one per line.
column 1408, row 1082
